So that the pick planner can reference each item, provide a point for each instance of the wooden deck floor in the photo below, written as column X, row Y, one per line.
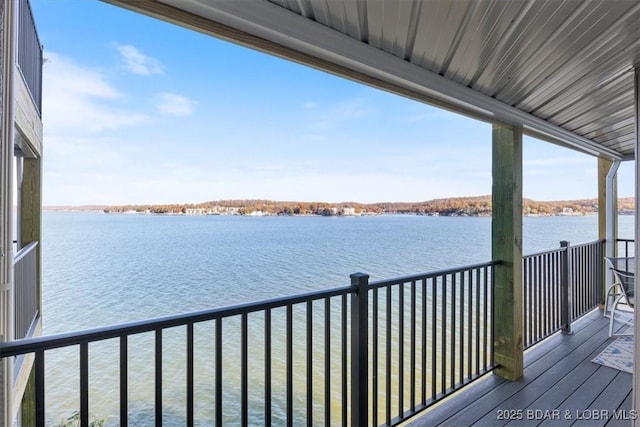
column 560, row 387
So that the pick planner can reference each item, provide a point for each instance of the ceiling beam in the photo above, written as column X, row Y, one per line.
column 270, row 28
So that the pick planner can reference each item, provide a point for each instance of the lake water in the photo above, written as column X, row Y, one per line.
column 101, row 269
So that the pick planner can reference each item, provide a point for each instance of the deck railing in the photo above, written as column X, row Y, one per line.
column 542, row 282
column 231, row 327
column 367, row 354
column 625, row 247
column 431, row 334
column 586, row 265
column 435, row 329
column 25, row 290
column 29, row 53
column 560, row 286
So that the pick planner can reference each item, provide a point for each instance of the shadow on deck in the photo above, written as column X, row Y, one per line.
column 561, row 386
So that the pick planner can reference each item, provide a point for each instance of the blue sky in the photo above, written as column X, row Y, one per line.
column 136, row 110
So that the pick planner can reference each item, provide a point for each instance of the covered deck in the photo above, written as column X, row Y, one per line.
column 565, row 72
column 561, row 386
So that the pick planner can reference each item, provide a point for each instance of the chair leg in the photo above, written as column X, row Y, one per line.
column 611, row 296
column 606, row 303
column 611, row 317
column 613, row 314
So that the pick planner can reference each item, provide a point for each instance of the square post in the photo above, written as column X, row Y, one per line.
column 506, row 247
column 566, row 306
column 359, row 349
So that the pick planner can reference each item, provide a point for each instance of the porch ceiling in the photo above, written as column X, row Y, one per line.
column 563, row 69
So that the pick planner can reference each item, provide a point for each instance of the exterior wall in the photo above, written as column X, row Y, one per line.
column 6, row 164
column 21, row 124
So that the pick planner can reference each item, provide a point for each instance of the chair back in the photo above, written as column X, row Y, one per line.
column 622, row 263
column 627, row 281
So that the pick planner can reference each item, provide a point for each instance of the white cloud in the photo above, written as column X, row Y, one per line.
column 175, row 105
column 79, row 100
column 137, row 62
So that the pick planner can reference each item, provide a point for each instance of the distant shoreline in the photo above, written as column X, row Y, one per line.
column 454, row 206
column 71, row 210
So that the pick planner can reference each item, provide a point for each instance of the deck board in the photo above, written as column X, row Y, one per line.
column 559, row 377
column 579, row 379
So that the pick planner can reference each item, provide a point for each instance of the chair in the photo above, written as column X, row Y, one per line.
column 624, row 294
column 616, row 263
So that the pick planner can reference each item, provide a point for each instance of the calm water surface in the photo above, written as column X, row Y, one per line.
column 101, row 269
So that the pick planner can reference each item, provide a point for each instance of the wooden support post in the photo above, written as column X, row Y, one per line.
column 603, row 169
column 507, row 248
column 607, row 218
column 607, row 198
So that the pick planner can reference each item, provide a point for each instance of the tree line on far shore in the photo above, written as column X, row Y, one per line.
column 453, row 206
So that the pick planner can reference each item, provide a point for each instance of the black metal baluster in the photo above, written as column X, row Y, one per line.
column 556, row 292
column 374, row 345
column 525, row 299
column 462, row 326
column 538, row 300
column 124, row 386
column 470, row 325
column 309, row 363
column 327, row 361
column 267, row 367
column 544, row 301
column 40, row 388
column 219, row 372
column 388, row 356
column 453, row 330
column 84, row 384
column 289, row 346
column 434, row 336
column 491, row 286
column 478, row 281
column 443, row 358
column 424, row 341
column 485, row 342
column 401, row 349
column 412, row 370
column 244, row 368
column 158, row 379
column 344, row 361
column 190, row 388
